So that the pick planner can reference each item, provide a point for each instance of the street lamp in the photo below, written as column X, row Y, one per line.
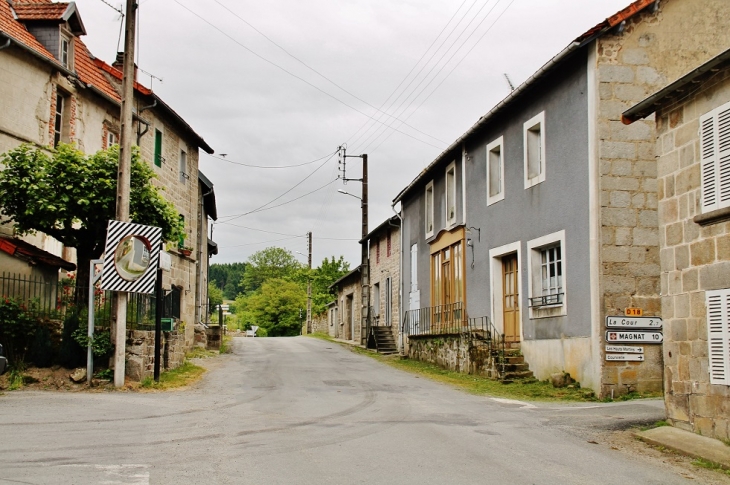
column 347, row 193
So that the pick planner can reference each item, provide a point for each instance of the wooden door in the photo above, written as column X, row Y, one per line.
column 511, row 298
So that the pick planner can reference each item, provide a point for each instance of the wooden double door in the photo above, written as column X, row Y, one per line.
column 511, row 298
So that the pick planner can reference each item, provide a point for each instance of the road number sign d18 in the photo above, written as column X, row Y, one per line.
column 625, row 357
column 620, row 336
column 633, row 312
column 654, row 323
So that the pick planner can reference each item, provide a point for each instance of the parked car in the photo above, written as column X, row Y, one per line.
column 3, row 361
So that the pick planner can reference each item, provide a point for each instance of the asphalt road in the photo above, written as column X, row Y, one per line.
column 306, row 411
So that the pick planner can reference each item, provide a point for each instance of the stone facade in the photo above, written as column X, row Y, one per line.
column 695, row 258
column 385, row 254
column 141, row 353
column 454, row 352
column 349, row 307
column 631, row 63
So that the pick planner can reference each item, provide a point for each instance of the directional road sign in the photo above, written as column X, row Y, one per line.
column 624, row 349
column 619, row 336
column 624, row 322
column 625, row 357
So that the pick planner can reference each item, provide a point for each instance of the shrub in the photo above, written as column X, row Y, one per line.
column 72, row 355
column 17, row 330
column 41, row 350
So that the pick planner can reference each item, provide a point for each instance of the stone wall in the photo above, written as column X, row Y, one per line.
column 631, row 64
column 344, row 329
column 141, row 353
column 453, row 352
column 387, row 266
column 320, row 323
column 694, row 258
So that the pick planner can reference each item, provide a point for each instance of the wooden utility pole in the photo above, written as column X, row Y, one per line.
column 309, row 284
column 364, row 260
column 123, row 178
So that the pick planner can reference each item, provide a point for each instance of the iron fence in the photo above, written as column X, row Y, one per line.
column 442, row 319
column 56, row 300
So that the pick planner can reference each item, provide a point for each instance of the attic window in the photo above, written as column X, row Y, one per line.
column 65, row 55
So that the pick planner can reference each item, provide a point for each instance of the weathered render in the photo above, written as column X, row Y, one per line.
column 348, row 307
column 694, row 235
column 54, row 91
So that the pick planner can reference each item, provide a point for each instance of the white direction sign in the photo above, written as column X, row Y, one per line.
column 634, row 322
column 625, row 357
column 619, row 336
column 624, row 349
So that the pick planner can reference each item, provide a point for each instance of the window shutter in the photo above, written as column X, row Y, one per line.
column 715, row 158
column 723, row 154
column 718, row 335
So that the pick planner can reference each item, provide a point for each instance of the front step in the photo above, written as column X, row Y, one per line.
column 515, row 367
column 384, row 341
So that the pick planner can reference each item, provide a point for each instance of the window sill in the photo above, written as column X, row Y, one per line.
column 547, row 311
column 713, row 217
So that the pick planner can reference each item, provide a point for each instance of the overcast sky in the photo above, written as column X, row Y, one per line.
column 317, row 82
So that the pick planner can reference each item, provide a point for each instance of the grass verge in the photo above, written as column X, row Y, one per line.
column 710, row 465
column 200, row 353
column 186, row 374
column 226, row 344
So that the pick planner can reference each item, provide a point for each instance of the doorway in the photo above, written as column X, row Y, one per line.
column 510, row 298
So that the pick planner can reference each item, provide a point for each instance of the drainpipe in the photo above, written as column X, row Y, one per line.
column 400, row 278
column 6, row 44
column 141, row 121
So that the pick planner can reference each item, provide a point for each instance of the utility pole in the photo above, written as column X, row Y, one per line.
column 364, row 260
column 309, row 283
column 123, row 178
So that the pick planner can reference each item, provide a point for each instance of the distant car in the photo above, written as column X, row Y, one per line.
column 3, row 361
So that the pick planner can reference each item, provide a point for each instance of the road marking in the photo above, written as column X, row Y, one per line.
column 120, row 474
column 522, row 404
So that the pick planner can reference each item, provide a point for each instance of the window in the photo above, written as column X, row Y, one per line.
column 534, row 142
column 377, row 251
column 447, row 279
column 388, row 246
column 429, row 209
column 376, row 300
column 495, row 171
column 158, row 148
column 111, row 139
column 715, row 151
column 388, row 302
column 173, row 302
column 58, row 120
column 718, row 335
column 451, row 194
column 65, row 53
column 183, row 166
column 414, row 268
column 547, row 275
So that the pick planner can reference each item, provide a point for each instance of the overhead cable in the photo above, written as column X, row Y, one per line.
column 223, row 159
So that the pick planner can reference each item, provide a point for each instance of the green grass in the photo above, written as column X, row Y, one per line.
column 710, row 465
column 658, row 424
column 226, row 344
column 200, row 353
column 182, row 376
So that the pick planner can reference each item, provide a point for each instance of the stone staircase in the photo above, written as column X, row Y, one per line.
column 384, row 341
column 515, row 367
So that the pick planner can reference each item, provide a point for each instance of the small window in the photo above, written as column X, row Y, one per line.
column 451, row 194
column 715, row 151
column 65, row 54
column 376, row 300
column 547, row 275
column 718, row 335
column 388, row 246
column 58, row 120
column 429, row 209
column 495, row 171
column 377, row 251
column 111, row 139
column 158, row 148
column 183, row 166
column 534, row 142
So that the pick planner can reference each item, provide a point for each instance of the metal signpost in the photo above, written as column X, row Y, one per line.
column 631, row 328
column 93, row 278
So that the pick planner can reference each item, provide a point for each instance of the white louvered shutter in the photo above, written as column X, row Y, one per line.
column 718, row 335
column 715, row 158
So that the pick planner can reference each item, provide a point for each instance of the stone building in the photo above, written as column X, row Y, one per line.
column 348, row 307
column 384, row 258
column 55, row 90
column 693, row 157
column 550, row 194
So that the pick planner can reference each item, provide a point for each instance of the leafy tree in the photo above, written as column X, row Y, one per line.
column 71, row 197
column 322, row 277
column 227, row 277
column 276, row 306
column 215, row 295
column 267, row 264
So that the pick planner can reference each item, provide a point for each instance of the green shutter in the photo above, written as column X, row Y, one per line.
column 158, row 148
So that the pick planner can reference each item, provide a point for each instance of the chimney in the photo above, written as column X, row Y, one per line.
column 119, row 64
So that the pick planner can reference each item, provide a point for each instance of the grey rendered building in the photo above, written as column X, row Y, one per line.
column 543, row 215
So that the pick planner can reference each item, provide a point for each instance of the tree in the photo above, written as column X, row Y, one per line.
column 276, row 306
column 71, row 197
column 215, row 296
column 227, row 277
column 322, row 277
column 267, row 264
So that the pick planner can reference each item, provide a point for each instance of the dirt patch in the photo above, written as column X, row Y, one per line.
column 624, row 442
column 58, row 379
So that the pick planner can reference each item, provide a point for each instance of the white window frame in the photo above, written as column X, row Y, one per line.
column 111, row 139
column 718, row 336
column 429, row 212
column 388, row 301
column 527, row 129
column 376, row 299
column 65, row 56
column 450, row 184
column 498, row 143
column 414, row 267
column 714, row 162
column 534, row 268
column 495, row 278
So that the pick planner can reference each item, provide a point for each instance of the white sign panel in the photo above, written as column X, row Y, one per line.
column 165, row 261
column 625, row 357
column 619, row 336
column 624, row 349
column 634, row 322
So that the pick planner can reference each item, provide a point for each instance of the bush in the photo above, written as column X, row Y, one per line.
column 41, row 350
column 71, row 354
column 17, row 331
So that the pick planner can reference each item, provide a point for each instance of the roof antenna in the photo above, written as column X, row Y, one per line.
column 511, row 86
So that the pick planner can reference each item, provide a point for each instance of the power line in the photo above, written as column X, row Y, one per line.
column 261, row 242
column 298, row 77
column 319, row 73
column 268, row 166
column 292, row 235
